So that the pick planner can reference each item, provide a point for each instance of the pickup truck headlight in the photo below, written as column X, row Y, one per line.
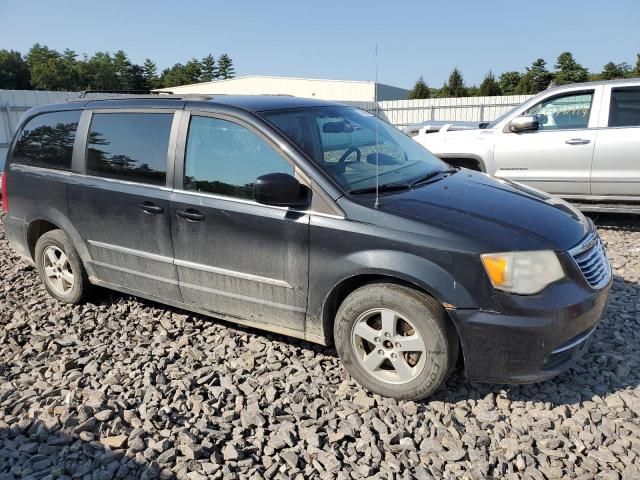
column 524, row 273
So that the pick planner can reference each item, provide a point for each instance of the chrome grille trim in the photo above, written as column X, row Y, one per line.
column 591, row 258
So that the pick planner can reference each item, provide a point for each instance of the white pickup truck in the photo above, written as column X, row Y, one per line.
column 580, row 142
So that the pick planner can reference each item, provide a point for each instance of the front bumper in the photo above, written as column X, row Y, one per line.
column 532, row 338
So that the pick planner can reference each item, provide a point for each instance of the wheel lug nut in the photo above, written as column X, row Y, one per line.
column 387, row 334
column 377, row 339
column 393, row 355
column 380, row 352
column 397, row 344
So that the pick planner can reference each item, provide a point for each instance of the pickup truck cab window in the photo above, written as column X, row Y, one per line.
column 563, row 112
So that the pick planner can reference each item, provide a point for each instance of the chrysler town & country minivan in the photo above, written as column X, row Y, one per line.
column 312, row 219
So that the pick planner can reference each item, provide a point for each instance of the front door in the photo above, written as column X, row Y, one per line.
column 122, row 206
column 235, row 257
column 557, row 157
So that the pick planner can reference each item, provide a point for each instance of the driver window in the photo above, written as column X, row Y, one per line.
column 564, row 112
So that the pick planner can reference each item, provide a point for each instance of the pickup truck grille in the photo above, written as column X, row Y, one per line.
column 592, row 260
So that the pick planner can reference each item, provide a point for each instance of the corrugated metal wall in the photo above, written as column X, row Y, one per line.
column 13, row 104
column 402, row 113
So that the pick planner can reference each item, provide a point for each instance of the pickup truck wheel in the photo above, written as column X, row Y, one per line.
column 60, row 267
column 395, row 341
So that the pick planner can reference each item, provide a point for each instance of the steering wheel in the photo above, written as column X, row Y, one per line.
column 349, row 151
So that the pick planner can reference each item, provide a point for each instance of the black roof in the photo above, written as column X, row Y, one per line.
column 253, row 103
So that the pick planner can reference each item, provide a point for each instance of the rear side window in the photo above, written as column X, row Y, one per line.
column 625, row 108
column 47, row 140
column 129, row 146
column 225, row 158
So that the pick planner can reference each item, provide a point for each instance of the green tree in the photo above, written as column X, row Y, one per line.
column 193, row 70
column 14, row 71
column 455, row 86
column 569, row 71
column 208, row 68
column 612, row 71
column 508, row 82
column 150, row 74
column 536, row 78
column 636, row 69
column 225, row 67
column 98, row 73
column 489, row 86
column 174, row 76
column 420, row 90
column 122, row 70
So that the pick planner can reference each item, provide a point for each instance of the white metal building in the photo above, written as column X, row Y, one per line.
column 341, row 90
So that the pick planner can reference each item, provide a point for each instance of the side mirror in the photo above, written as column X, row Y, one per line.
column 524, row 123
column 280, row 190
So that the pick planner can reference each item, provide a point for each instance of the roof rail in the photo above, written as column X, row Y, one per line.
column 84, row 93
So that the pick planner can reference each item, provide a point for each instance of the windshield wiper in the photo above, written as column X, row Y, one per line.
column 430, row 175
column 386, row 187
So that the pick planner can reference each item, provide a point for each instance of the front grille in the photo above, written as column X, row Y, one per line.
column 592, row 260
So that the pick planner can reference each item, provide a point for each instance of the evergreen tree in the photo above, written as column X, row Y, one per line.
column 98, row 72
column 14, row 71
column 174, row 76
column 508, row 83
column 193, row 70
column 455, row 86
column 612, row 71
column 636, row 70
column 122, row 70
column 569, row 71
column 150, row 74
column 536, row 78
column 489, row 87
column 225, row 67
column 420, row 90
column 207, row 69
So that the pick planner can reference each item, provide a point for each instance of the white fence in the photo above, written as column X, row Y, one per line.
column 13, row 103
column 402, row 113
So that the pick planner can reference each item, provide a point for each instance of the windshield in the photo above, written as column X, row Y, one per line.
column 347, row 143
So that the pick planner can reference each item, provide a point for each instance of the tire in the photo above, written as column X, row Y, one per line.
column 361, row 340
column 55, row 244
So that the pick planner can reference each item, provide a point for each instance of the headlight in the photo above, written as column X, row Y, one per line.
column 522, row 272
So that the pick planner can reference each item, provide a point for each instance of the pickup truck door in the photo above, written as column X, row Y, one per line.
column 557, row 157
column 616, row 160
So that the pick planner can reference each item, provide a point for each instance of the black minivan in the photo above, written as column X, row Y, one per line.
column 309, row 218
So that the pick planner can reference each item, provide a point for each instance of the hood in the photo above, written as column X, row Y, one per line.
column 499, row 214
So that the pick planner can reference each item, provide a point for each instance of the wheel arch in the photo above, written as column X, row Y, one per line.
column 465, row 160
column 37, row 227
column 347, row 285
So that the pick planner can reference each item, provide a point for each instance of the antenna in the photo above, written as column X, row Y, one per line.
column 375, row 99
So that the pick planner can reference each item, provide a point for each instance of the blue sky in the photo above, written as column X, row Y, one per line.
column 336, row 39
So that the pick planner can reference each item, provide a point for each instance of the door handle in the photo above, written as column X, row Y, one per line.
column 151, row 208
column 190, row 214
column 577, row 141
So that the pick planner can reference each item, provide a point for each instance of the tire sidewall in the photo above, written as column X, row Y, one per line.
column 427, row 319
column 59, row 239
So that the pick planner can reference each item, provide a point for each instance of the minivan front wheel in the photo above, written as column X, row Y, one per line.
column 395, row 341
column 60, row 267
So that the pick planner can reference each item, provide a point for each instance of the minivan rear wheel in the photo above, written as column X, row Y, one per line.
column 60, row 267
column 395, row 341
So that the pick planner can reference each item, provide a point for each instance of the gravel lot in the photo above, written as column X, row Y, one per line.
column 126, row 388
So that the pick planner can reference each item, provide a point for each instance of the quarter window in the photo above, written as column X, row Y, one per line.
column 47, row 140
column 225, row 158
column 625, row 108
column 129, row 146
column 565, row 112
